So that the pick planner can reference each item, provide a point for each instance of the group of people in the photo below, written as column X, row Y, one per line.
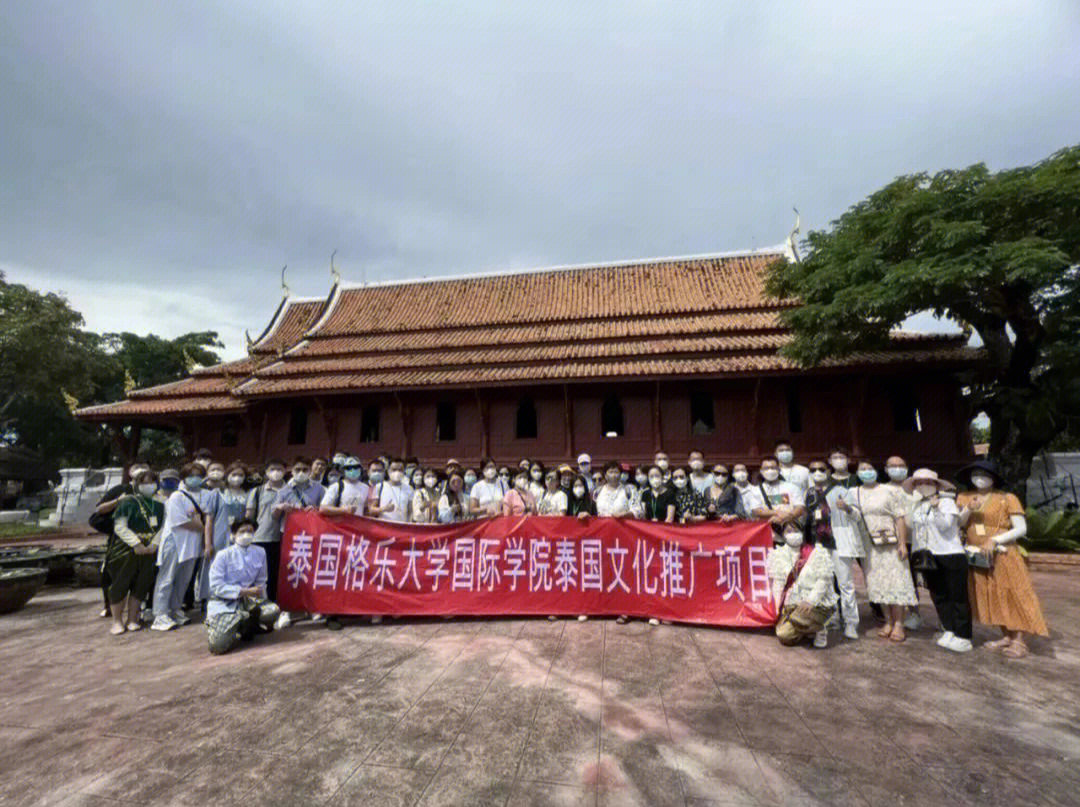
column 208, row 535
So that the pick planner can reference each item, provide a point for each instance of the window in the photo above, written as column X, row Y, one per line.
column 445, row 421
column 905, row 409
column 369, row 424
column 702, row 419
column 611, row 418
column 794, row 408
column 298, row 426
column 230, row 433
column 526, row 420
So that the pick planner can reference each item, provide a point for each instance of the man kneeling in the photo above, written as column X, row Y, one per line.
column 238, row 605
column 802, row 585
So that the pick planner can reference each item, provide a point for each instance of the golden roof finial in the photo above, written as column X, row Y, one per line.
column 70, row 401
column 129, row 382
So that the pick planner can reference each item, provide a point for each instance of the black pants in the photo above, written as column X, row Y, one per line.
column 273, row 561
column 949, row 591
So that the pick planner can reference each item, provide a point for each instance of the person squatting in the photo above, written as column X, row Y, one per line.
column 208, row 536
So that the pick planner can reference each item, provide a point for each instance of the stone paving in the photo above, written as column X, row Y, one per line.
column 530, row 712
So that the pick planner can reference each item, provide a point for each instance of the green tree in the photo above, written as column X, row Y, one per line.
column 996, row 252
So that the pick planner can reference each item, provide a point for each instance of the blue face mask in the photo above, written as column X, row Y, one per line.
column 868, row 475
column 352, row 474
column 194, row 482
column 169, row 485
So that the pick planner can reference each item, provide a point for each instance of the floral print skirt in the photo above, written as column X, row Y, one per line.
column 888, row 578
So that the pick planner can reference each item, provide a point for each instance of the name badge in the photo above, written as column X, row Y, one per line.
column 152, row 521
column 818, row 514
column 980, row 529
column 231, row 520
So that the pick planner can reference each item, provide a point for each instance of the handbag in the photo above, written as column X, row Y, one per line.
column 923, row 560
column 980, row 561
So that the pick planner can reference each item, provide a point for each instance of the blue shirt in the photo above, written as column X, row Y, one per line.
column 234, row 568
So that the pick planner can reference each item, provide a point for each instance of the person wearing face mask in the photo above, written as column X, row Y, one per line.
column 700, row 479
column 611, row 495
column 214, row 505
column 102, row 521
column 260, row 509
column 536, row 480
column 301, row 492
column 168, row 482
column 186, row 530
column 552, row 501
column 137, row 521
column 661, row 461
column 658, row 502
column 215, row 476
column 487, row 494
column 519, row 500
column 801, row 578
column 775, row 498
column 580, row 503
column 896, row 471
column 640, row 485
column 425, row 503
column 744, row 491
column 238, row 606
column 835, row 529
column 880, row 513
column 233, row 494
column 938, row 553
column 416, row 479
column 454, row 502
column 468, row 479
column 392, row 498
column 790, row 471
column 584, row 469
column 689, row 504
column 721, row 501
column 1001, row 595
column 840, row 470
column 349, row 495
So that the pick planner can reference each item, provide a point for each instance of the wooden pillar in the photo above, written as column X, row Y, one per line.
column 755, row 420
column 405, row 413
column 482, row 410
column 857, row 415
column 657, row 424
column 263, row 434
column 568, row 422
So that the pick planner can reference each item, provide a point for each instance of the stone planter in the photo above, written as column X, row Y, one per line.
column 17, row 586
column 88, row 570
column 55, row 564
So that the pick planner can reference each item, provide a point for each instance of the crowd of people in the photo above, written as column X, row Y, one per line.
column 208, row 535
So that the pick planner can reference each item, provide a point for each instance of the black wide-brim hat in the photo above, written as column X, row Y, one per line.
column 963, row 476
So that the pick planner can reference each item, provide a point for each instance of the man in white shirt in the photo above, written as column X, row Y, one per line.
column 700, row 480
column 188, row 527
column 740, row 477
column 776, row 499
column 348, row 496
column 661, row 462
column 394, row 496
column 798, row 475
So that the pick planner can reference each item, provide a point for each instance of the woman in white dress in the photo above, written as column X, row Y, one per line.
column 880, row 511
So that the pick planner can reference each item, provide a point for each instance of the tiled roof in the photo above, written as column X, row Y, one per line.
column 670, row 318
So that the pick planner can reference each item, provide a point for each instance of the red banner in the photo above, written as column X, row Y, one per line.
column 706, row 573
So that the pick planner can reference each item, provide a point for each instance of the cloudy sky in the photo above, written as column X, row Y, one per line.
column 159, row 162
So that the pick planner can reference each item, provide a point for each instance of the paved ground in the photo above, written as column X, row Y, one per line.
column 523, row 712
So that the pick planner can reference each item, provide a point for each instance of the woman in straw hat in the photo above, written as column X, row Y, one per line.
column 1001, row 595
column 938, row 553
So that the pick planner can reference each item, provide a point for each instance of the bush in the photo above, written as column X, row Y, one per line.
column 1052, row 531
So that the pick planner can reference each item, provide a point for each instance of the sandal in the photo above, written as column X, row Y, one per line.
column 1015, row 650
column 116, row 630
column 897, row 635
column 885, row 632
column 1000, row 644
column 131, row 626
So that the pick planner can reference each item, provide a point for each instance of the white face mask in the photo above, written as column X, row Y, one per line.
column 536, row 475
column 395, row 477
column 236, row 480
column 793, row 539
column 654, row 481
column 300, row 477
column 579, row 491
column 982, row 481
column 641, row 479
column 818, row 476
column 926, row 491
column 680, row 482
column 275, row 475
column 696, row 465
column 148, row 489
column 839, row 464
column 740, row 476
column 897, row 473
column 770, row 474
column 785, row 457
column 244, row 538
column 470, row 479
column 216, row 475
column 662, row 464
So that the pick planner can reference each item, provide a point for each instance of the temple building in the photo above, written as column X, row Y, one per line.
column 619, row 360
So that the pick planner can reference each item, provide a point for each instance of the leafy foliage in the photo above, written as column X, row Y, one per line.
column 1052, row 531
column 996, row 252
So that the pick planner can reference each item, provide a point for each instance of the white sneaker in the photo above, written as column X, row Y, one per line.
column 958, row 645
column 821, row 639
column 180, row 618
column 851, row 631
column 318, row 618
column 582, row 618
column 376, row 619
column 163, row 622
column 283, row 621
column 654, row 622
column 945, row 639
column 913, row 621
